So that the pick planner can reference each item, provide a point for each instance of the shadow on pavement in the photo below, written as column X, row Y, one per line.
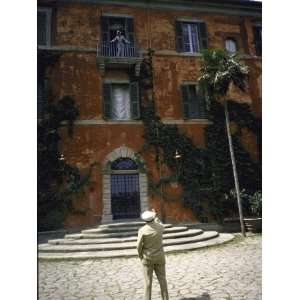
column 204, row 296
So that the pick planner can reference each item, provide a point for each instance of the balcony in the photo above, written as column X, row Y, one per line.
column 126, row 56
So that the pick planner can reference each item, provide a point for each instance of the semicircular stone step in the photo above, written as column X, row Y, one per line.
column 221, row 239
column 188, row 233
column 121, row 246
column 124, row 228
column 122, row 224
column 95, row 235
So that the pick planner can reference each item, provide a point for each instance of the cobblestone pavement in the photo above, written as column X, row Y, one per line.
column 226, row 272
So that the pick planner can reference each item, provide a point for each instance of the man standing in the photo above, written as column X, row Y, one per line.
column 151, row 252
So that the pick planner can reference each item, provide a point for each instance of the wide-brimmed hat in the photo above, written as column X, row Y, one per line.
column 148, row 215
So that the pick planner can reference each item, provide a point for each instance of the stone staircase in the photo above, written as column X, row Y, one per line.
column 119, row 240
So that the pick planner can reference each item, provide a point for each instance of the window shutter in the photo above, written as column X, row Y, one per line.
column 257, row 40
column 202, row 103
column 105, row 29
column 179, row 37
column 257, row 33
column 129, row 30
column 185, row 101
column 203, row 38
column 42, row 95
column 42, row 28
column 134, row 100
column 106, row 99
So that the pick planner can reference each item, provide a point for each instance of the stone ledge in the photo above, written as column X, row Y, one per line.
column 138, row 122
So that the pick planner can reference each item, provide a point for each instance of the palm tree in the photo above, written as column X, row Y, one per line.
column 219, row 71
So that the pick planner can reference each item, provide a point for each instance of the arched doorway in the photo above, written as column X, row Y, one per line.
column 125, row 190
column 124, row 178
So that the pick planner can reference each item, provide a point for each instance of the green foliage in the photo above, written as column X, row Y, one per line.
column 57, row 181
column 255, row 201
column 219, row 70
column 192, row 170
column 204, row 174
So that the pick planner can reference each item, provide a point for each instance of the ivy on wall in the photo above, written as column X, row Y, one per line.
column 219, row 156
column 57, row 181
column 204, row 174
column 192, row 170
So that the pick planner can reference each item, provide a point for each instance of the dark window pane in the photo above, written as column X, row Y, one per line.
column 124, row 164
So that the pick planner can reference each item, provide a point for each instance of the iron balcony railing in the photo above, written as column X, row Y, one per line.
column 109, row 49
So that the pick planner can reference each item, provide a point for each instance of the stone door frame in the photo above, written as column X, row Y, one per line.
column 121, row 152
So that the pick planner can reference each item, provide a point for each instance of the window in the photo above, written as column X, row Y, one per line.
column 230, row 45
column 124, row 164
column 191, row 37
column 44, row 27
column 114, row 44
column 110, row 26
column 193, row 102
column 121, row 101
column 257, row 40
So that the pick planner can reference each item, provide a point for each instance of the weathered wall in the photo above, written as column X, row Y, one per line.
column 76, row 75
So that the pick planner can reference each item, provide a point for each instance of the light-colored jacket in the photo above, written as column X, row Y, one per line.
column 150, row 242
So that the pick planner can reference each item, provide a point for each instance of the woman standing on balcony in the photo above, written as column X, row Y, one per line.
column 120, row 41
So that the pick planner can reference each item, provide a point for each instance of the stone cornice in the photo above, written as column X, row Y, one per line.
column 228, row 7
column 138, row 123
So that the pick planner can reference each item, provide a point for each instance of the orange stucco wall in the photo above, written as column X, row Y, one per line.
column 76, row 74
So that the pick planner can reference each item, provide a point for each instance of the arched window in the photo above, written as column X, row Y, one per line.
column 231, row 45
column 124, row 164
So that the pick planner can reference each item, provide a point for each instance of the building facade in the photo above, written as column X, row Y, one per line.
column 100, row 69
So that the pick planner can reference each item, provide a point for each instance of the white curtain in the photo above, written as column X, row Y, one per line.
column 190, row 37
column 120, row 102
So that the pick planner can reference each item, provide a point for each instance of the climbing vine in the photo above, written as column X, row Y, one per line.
column 57, row 181
column 192, row 171
column 217, row 145
column 204, row 174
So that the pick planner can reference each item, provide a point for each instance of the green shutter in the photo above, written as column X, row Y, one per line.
column 42, row 28
column 42, row 95
column 179, row 37
column 202, row 103
column 105, row 29
column 257, row 40
column 185, row 101
column 134, row 100
column 203, row 38
column 106, row 100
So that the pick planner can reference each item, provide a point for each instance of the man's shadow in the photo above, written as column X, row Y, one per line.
column 204, row 296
